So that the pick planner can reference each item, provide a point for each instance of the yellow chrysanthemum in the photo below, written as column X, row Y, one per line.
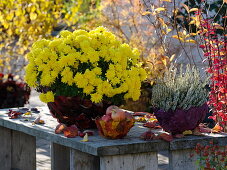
column 47, row 97
column 96, row 98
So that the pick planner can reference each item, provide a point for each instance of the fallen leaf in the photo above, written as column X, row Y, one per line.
column 71, row 131
column 179, row 135
column 81, row 134
column 41, row 121
column 197, row 132
column 85, row 139
column 150, row 124
column 217, row 129
column 149, row 135
column 60, row 128
column 27, row 113
column 36, row 121
column 166, row 137
column 187, row 132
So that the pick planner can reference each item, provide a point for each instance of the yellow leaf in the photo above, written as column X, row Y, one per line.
column 160, row 9
column 191, row 41
column 146, row 13
column 175, row 36
column 162, row 22
column 187, row 132
column 172, row 57
column 186, row 7
column 168, row 30
column 180, row 16
column 85, row 139
column 192, row 22
column 33, row 16
column 193, row 9
column 193, row 34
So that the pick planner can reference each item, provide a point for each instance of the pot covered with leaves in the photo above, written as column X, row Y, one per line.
column 179, row 99
column 81, row 73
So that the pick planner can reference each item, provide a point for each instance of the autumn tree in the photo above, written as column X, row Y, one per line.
column 22, row 22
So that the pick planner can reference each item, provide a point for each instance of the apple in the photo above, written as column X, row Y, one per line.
column 118, row 115
column 106, row 118
column 110, row 109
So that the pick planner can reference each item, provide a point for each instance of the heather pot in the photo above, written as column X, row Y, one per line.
column 76, row 110
column 180, row 120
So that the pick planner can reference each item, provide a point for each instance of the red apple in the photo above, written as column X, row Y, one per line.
column 110, row 109
column 118, row 115
column 106, row 118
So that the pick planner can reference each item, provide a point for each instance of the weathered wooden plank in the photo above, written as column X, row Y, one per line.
column 60, row 157
column 83, row 161
column 181, row 160
column 5, row 148
column 23, row 151
column 142, row 161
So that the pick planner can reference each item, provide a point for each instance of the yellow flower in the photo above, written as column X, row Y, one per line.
column 96, row 98
column 67, row 76
column 80, row 80
column 97, row 70
column 110, row 74
column 88, row 89
column 143, row 74
column 46, row 79
column 47, row 97
column 65, row 33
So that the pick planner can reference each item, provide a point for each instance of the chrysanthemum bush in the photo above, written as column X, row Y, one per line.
column 94, row 65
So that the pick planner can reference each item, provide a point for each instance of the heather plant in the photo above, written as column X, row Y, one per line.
column 179, row 90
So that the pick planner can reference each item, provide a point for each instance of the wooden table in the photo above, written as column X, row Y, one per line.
column 18, row 148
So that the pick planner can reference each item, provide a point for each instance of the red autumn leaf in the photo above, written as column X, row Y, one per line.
column 147, row 135
column 150, row 124
column 14, row 114
column 166, row 137
column 81, row 134
column 60, row 128
column 71, row 131
column 179, row 136
column 204, row 130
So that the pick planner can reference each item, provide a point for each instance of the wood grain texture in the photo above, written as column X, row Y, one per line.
column 181, row 160
column 5, row 148
column 142, row 161
column 83, row 161
column 23, row 151
column 60, row 157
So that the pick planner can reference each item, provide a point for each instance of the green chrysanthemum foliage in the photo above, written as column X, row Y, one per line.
column 179, row 90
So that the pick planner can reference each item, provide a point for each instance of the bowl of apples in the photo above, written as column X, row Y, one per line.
column 115, row 124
